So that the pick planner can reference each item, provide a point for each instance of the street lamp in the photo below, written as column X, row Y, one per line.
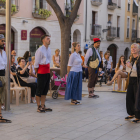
column 108, row 25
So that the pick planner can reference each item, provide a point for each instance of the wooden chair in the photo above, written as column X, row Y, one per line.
column 123, row 84
column 17, row 90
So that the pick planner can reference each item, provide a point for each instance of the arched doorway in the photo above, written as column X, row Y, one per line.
column 2, row 31
column 77, row 36
column 113, row 52
column 126, row 53
column 35, row 41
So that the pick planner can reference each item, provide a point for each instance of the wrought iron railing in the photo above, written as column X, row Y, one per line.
column 134, row 34
column 96, row 30
column 112, row 2
column 112, row 32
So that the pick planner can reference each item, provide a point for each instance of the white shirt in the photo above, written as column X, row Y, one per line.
column 3, row 60
column 108, row 63
column 75, row 62
column 120, row 68
column 89, row 54
column 42, row 56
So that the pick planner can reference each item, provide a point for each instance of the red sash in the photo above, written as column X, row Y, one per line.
column 44, row 69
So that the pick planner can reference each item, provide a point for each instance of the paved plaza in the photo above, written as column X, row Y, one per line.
column 95, row 119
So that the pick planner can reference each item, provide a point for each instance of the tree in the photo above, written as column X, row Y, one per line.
column 65, row 26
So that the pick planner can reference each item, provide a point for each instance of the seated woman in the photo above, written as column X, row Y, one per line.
column 56, row 59
column 120, row 72
column 108, row 65
column 23, row 72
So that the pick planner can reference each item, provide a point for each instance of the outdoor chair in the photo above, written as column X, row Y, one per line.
column 17, row 89
column 123, row 84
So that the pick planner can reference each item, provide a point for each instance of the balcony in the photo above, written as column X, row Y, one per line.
column 41, row 13
column 14, row 8
column 135, row 9
column 96, row 2
column 111, row 34
column 95, row 31
column 112, row 5
column 134, row 35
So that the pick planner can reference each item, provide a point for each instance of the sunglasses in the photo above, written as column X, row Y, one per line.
column 2, row 40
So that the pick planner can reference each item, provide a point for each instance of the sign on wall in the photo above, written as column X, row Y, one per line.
column 23, row 34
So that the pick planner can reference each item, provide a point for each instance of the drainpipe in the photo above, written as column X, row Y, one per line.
column 86, row 23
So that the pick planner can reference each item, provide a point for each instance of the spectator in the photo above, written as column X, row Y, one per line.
column 74, row 80
column 56, row 59
column 23, row 74
column 33, row 74
column 26, row 56
column 13, row 68
column 108, row 64
column 13, row 53
column 120, row 72
column 18, row 61
column 133, row 90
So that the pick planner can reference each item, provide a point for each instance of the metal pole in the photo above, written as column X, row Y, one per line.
column 8, row 52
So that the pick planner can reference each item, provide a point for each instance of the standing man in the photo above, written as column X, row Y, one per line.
column 3, row 64
column 42, row 68
column 93, row 55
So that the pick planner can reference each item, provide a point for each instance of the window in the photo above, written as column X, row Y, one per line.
column 128, row 23
column 118, row 26
column 128, row 5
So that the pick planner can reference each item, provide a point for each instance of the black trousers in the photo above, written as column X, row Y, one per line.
column 131, row 98
column 43, row 81
column 33, row 87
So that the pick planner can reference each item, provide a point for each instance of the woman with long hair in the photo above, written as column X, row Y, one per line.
column 133, row 90
column 74, row 80
column 120, row 72
column 26, row 56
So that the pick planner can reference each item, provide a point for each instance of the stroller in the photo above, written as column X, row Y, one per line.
column 60, row 83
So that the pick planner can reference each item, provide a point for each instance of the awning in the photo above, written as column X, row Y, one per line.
column 136, row 3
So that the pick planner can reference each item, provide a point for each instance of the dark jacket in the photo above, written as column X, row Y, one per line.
column 137, row 103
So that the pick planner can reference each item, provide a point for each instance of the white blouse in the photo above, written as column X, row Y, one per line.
column 75, row 62
column 120, row 68
column 3, row 60
column 42, row 56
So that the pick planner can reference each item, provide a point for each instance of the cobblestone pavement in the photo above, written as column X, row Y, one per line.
column 95, row 119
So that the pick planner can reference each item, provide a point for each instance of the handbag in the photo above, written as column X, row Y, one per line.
column 94, row 64
column 28, row 79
